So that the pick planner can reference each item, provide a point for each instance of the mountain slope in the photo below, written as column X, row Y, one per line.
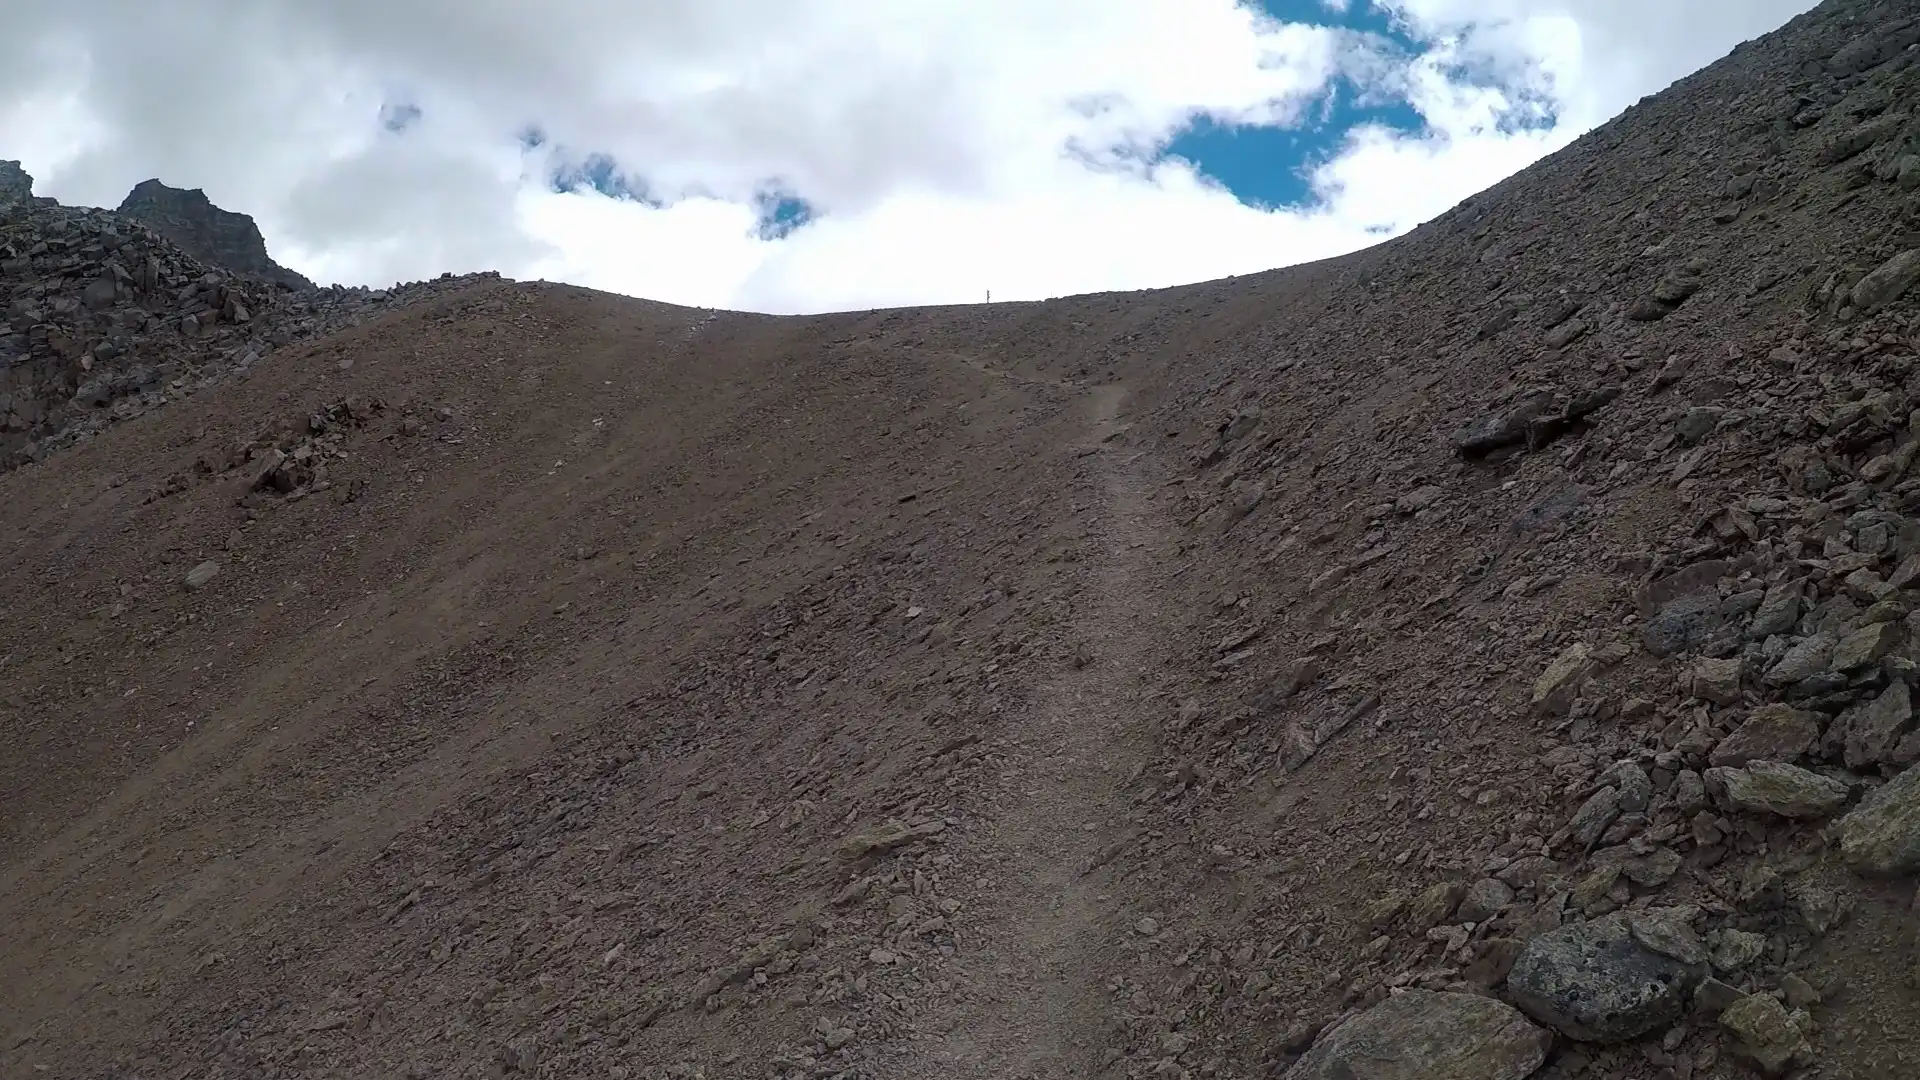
column 534, row 682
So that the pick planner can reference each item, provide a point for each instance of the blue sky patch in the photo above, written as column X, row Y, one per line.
column 780, row 213
column 1267, row 166
column 569, row 172
column 599, row 172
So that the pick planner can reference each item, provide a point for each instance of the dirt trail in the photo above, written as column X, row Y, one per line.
column 1030, row 1002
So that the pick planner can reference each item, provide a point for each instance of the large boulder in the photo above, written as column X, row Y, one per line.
column 1608, row 980
column 1422, row 1035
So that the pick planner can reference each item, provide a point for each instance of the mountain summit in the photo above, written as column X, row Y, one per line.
column 205, row 231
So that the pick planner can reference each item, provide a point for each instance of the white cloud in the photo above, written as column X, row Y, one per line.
column 949, row 146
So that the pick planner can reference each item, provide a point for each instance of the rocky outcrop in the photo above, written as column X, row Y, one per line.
column 214, row 236
column 103, row 318
column 16, row 188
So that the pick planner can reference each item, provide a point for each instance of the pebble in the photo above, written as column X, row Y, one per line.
column 198, row 577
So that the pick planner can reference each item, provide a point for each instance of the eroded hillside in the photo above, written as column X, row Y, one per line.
column 1485, row 656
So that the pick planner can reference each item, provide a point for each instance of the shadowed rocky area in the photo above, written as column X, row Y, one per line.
column 1486, row 656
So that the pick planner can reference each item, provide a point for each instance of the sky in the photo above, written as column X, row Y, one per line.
column 815, row 155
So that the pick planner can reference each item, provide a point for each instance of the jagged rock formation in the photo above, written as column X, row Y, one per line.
column 16, row 187
column 214, row 236
column 105, row 318
column 1245, row 679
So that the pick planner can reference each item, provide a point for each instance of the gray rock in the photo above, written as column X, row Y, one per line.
column 1557, row 687
column 1836, row 616
column 1596, row 982
column 1849, row 143
column 1240, row 425
column 16, row 185
column 1636, row 787
column 1771, row 787
column 1435, row 904
column 1683, row 624
column 1421, row 1035
column 1873, row 48
column 1807, row 658
column 1485, row 899
column 1765, row 1035
column 1770, row 733
column 1698, row 423
column 1505, row 428
column 1866, row 646
column 1566, row 333
column 1889, row 282
column 1871, row 733
column 1689, row 791
column 1600, row 810
column 1718, row 681
column 1881, row 836
column 199, row 576
column 108, row 319
column 1734, row 949
column 1418, row 499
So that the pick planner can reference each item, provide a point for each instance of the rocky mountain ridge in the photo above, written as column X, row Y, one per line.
column 214, row 236
column 106, row 317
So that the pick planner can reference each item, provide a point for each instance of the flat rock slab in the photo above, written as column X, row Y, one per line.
column 1421, row 1035
column 1770, row 733
column 1773, row 787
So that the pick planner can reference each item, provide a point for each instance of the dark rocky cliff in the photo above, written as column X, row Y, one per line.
column 16, row 187
column 212, row 235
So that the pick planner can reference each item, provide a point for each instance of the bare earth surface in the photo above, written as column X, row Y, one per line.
column 1288, row 676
